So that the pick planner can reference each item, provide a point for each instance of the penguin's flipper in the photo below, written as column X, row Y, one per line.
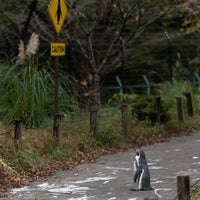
column 137, row 174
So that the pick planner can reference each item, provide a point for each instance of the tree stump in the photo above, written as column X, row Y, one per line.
column 183, row 187
column 124, row 117
column 179, row 109
column 18, row 133
column 158, row 108
column 189, row 104
column 56, row 127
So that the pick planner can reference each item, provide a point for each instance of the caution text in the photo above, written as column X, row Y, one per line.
column 57, row 49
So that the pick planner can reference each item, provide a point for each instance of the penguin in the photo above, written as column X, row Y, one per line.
column 141, row 171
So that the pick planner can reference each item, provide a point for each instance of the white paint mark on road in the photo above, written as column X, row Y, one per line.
column 100, row 174
column 156, row 160
column 105, row 182
column 45, row 185
column 112, row 198
column 178, row 149
column 156, row 167
column 69, row 189
column 156, row 182
column 23, row 189
column 118, row 168
column 161, row 189
column 195, row 157
column 151, row 164
column 94, row 179
column 56, row 189
column 196, row 163
column 82, row 198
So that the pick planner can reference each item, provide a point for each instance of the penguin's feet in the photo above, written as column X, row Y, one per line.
column 141, row 189
column 135, row 189
column 146, row 189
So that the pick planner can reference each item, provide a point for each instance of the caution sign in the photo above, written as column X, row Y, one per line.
column 57, row 49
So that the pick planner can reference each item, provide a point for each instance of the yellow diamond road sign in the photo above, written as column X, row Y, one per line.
column 57, row 11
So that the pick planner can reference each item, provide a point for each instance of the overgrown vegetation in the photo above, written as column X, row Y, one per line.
column 38, row 153
column 75, row 134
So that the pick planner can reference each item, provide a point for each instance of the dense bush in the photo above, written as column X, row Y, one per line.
column 28, row 94
column 145, row 109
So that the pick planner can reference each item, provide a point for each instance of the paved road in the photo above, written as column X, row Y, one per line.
column 112, row 176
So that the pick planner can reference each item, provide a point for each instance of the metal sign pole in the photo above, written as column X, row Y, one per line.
column 57, row 116
column 56, row 63
column 57, row 11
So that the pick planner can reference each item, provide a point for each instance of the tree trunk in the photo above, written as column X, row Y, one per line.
column 96, row 87
column 183, row 187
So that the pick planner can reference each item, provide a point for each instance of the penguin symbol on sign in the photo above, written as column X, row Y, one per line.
column 141, row 171
column 58, row 12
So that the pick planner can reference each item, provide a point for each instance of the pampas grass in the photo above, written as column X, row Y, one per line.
column 31, row 48
column 33, row 45
column 21, row 55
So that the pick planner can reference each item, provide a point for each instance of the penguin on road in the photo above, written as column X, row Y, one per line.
column 141, row 171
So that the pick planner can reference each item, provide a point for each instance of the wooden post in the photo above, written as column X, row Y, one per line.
column 158, row 107
column 18, row 132
column 124, row 117
column 18, row 129
column 183, row 187
column 179, row 109
column 189, row 104
column 56, row 127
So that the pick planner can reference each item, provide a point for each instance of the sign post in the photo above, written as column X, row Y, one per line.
column 57, row 11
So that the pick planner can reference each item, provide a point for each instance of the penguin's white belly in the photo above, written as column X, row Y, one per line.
column 140, row 181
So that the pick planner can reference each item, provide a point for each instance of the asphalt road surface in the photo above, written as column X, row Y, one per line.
column 111, row 178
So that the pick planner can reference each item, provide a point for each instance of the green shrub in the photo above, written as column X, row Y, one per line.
column 28, row 160
column 57, row 152
column 108, row 137
column 169, row 92
column 196, row 197
column 28, row 94
column 144, row 109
